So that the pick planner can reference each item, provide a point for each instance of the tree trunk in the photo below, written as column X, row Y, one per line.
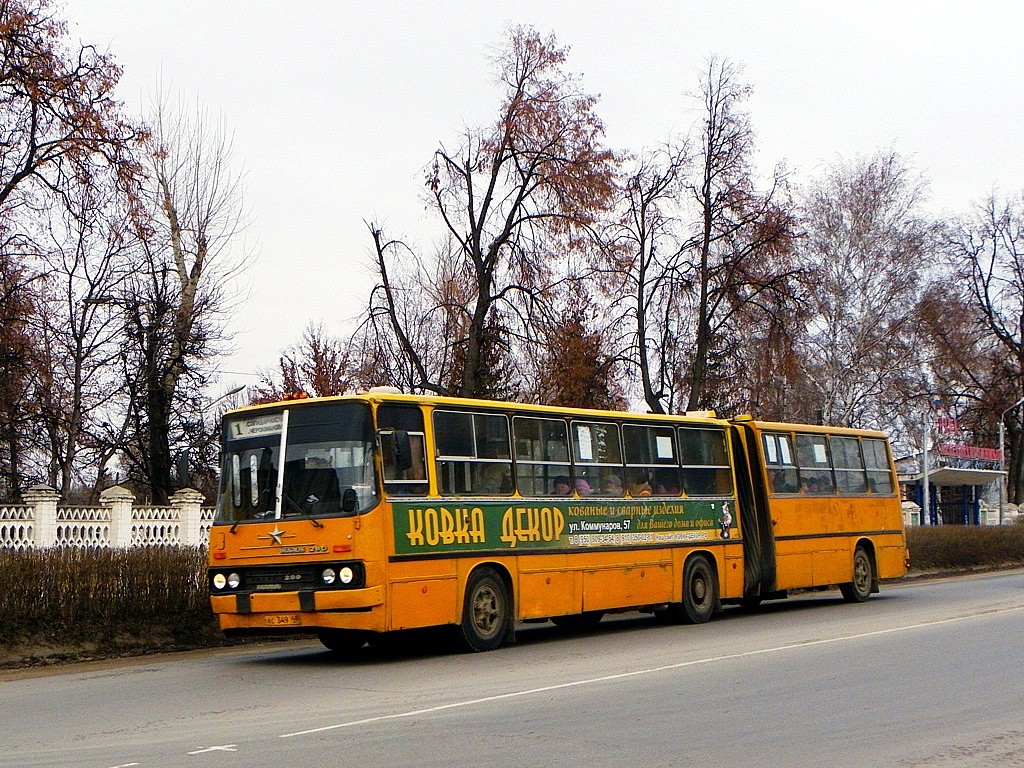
column 158, row 428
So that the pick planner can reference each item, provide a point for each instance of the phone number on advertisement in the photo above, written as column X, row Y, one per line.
column 588, row 539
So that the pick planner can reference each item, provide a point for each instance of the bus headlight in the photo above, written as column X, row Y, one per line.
column 219, row 581
column 346, row 575
column 328, row 575
column 234, row 580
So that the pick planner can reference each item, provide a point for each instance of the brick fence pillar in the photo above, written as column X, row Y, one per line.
column 44, row 527
column 120, row 500
column 189, row 503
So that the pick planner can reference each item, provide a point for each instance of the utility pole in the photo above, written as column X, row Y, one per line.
column 925, row 507
column 933, row 405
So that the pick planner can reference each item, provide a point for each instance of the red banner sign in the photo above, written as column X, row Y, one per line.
column 970, row 452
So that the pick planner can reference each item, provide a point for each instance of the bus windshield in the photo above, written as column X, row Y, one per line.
column 327, row 449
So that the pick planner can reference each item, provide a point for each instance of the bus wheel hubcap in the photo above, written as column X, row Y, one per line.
column 861, row 573
column 485, row 610
column 700, row 590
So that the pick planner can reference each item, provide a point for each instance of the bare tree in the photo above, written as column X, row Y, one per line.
column 987, row 252
column 175, row 305
column 643, row 274
column 60, row 120
column 60, row 129
column 866, row 249
column 515, row 198
column 78, row 330
column 737, row 255
column 701, row 255
column 412, row 315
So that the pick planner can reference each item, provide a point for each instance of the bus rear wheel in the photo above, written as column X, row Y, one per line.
column 485, row 611
column 859, row 590
column 700, row 595
column 700, row 590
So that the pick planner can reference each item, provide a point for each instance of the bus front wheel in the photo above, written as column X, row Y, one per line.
column 859, row 590
column 485, row 612
column 700, row 595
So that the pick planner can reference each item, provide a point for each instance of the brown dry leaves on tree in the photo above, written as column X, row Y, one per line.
column 515, row 198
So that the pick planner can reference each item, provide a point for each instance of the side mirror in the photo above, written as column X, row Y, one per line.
column 349, row 500
column 403, row 451
column 397, row 452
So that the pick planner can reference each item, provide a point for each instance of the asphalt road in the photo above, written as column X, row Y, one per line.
column 925, row 674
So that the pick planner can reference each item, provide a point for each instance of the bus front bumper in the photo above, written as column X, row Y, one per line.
column 356, row 608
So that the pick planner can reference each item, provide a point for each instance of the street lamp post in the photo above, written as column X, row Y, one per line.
column 1002, row 461
column 227, row 394
column 183, row 460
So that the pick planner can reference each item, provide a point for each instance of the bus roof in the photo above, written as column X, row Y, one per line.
column 393, row 395
column 389, row 395
column 785, row 426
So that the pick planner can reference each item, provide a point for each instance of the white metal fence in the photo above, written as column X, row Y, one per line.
column 39, row 522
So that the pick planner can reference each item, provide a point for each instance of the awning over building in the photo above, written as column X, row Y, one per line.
column 947, row 476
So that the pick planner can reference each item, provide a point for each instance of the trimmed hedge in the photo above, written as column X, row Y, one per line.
column 958, row 548
column 104, row 601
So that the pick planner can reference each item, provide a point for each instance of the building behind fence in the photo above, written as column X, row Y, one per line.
column 39, row 521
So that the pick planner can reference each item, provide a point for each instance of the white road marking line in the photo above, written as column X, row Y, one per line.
column 642, row 672
column 221, row 748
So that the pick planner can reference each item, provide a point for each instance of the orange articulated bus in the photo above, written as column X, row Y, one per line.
column 378, row 512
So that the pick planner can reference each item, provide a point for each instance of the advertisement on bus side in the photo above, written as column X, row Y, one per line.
column 437, row 526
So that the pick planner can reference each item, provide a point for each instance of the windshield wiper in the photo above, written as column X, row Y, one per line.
column 316, row 523
column 264, row 508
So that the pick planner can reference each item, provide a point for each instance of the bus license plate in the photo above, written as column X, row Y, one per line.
column 284, row 620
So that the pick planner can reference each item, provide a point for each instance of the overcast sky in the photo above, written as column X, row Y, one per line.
column 337, row 107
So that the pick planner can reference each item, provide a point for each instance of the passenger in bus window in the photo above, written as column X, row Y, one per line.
column 640, row 486
column 665, row 482
column 814, row 483
column 563, row 486
column 783, row 480
column 612, row 486
column 493, row 478
column 583, row 487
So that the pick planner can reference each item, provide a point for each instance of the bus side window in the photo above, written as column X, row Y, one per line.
column 542, row 456
column 877, row 459
column 705, row 459
column 849, row 465
column 474, row 456
column 815, row 466
column 651, row 456
column 778, row 452
column 402, row 425
column 597, row 457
